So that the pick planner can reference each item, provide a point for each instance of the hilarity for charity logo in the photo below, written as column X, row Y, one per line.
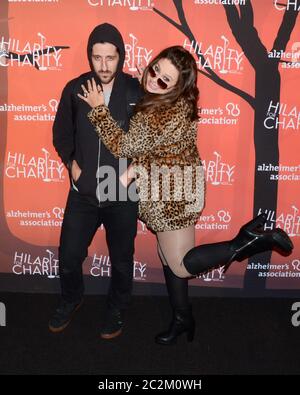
column 38, row 54
column 219, row 58
column 136, row 54
column 218, row 172
column 26, row 264
column 132, row 5
column 19, row 165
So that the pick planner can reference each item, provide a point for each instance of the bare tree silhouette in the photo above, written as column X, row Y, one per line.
column 267, row 89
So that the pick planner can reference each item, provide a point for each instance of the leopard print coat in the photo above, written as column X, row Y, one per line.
column 168, row 170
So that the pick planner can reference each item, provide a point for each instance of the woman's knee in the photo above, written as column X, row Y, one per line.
column 179, row 270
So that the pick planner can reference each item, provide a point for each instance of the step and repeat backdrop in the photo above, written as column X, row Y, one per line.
column 248, row 55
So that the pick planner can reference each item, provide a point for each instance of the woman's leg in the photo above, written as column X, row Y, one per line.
column 161, row 256
column 173, row 246
column 250, row 240
column 177, row 287
column 182, row 321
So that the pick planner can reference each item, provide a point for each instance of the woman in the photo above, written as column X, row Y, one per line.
column 170, row 180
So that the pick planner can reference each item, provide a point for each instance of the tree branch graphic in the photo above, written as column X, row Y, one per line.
column 209, row 73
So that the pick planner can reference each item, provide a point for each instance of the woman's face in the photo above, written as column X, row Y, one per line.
column 161, row 77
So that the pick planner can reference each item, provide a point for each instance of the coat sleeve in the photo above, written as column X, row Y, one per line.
column 144, row 134
column 63, row 127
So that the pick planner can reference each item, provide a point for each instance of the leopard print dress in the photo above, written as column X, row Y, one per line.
column 168, row 170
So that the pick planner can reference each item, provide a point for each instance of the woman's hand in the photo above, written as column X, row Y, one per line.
column 93, row 95
column 127, row 176
column 140, row 71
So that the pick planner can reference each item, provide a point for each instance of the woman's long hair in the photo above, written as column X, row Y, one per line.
column 185, row 87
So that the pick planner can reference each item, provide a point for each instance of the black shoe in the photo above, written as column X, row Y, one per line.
column 113, row 323
column 183, row 322
column 63, row 315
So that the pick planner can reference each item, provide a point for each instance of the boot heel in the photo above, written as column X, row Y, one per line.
column 284, row 243
column 247, row 250
column 226, row 267
column 242, row 253
column 254, row 223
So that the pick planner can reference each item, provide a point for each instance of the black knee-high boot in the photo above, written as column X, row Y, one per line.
column 250, row 240
column 183, row 320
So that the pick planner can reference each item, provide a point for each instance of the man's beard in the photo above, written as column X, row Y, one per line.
column 108, row 77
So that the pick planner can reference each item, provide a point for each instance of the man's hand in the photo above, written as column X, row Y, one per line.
column 75, row 170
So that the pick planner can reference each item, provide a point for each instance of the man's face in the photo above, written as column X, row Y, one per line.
column 105, row 59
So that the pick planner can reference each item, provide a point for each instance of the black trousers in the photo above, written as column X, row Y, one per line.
column 80, row 223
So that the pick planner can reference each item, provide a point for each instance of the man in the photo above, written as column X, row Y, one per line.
column 93, row 198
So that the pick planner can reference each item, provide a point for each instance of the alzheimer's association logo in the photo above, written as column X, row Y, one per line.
column 19, row 165
column 220, row 220
column 226, row 116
